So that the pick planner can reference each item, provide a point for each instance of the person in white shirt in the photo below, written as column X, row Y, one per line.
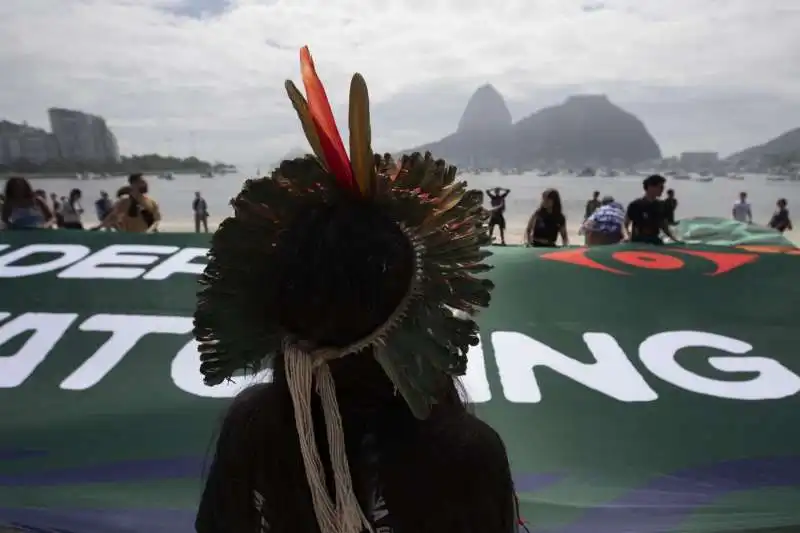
column 741, row 209
column 71, row 211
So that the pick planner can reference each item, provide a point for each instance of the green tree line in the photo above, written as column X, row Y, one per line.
column 126, row 165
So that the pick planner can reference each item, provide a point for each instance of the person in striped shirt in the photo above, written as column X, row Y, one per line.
column 606, row 225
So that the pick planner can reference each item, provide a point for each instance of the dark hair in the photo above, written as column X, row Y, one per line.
column 653, row 181
column 18, row 188
column 138, row 179
column 342, row 271
column 74, row 194
column 124, row 190
column 555, row 197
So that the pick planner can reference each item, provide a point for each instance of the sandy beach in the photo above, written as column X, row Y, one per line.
column 514, row 232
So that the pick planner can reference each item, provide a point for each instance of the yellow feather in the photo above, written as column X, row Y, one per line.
column 361, row 158
column 301, row 107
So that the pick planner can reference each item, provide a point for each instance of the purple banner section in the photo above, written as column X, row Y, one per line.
column 667, row 501
column 660, row 506
column 117, row 472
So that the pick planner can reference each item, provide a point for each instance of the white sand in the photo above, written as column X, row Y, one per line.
column 514, row 234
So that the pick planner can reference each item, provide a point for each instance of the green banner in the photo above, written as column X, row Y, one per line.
column 727, row 232
column 638, row 389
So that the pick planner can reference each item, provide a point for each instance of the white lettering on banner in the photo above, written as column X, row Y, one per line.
column 126, row 331
column 180, row 263
column 185, row 373
column 517, row 356
column 476, row 381
column 611, row 374
column 67, row 255
column 98, row 264
column 47, row 329
column 772, row 380
column 118, row 261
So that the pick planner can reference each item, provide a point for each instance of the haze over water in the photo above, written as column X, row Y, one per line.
column 695, row 198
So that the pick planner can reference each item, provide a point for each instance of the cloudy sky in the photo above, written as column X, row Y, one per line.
column 207, row 75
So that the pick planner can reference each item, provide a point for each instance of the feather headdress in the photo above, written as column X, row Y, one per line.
column 421, row 339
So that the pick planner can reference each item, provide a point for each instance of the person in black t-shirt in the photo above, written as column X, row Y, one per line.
column 547, row 222
column 780, row 219
column 670, row 206
column 646, row 217
column 592, row 205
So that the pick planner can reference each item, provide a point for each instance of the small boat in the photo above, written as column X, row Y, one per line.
column 682, row 177
column 207, row 175
column 166, row 176
column 587, row 172
column 704, row 179
column 777, row 178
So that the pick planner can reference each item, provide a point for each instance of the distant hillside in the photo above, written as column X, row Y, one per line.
column 584, row 130
column 783, row 147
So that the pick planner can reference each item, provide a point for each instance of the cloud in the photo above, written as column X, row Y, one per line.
column 165, row 71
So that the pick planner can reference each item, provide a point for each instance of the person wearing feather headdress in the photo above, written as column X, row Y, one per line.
column 355, row 281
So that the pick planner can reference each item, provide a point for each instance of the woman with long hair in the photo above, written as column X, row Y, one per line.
column 72, row 210
column 346, row 281
column 22, row 208
column 547, row 223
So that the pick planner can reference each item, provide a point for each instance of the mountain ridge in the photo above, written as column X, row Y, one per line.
column 585, row 129
column 786, row 144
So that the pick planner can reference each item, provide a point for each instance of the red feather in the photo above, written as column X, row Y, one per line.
column 320, row 109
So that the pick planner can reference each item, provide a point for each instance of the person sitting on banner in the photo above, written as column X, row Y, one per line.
column 606, row 225
column 547, row 223
column 22, row 208
column 340, row 276
column 135, row 211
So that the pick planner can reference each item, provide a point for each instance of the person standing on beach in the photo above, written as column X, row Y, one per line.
column 103, row 206
column 71, row 211
column 135, row 212
column 741, row 209
column 780, row 219
column 547, row 222
column 670, row 206
column 56, row 206
column 646, row 217
column 592, row 205
column 497, row 199
column 200, row 209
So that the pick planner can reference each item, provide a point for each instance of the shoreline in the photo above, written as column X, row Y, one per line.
column 64, row 175
column 514, row 233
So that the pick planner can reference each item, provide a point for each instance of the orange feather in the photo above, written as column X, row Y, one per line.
column 320, row 109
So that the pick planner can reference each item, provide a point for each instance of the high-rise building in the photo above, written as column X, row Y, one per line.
column 699, row 161
column 20, row 141
column 83, row 137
